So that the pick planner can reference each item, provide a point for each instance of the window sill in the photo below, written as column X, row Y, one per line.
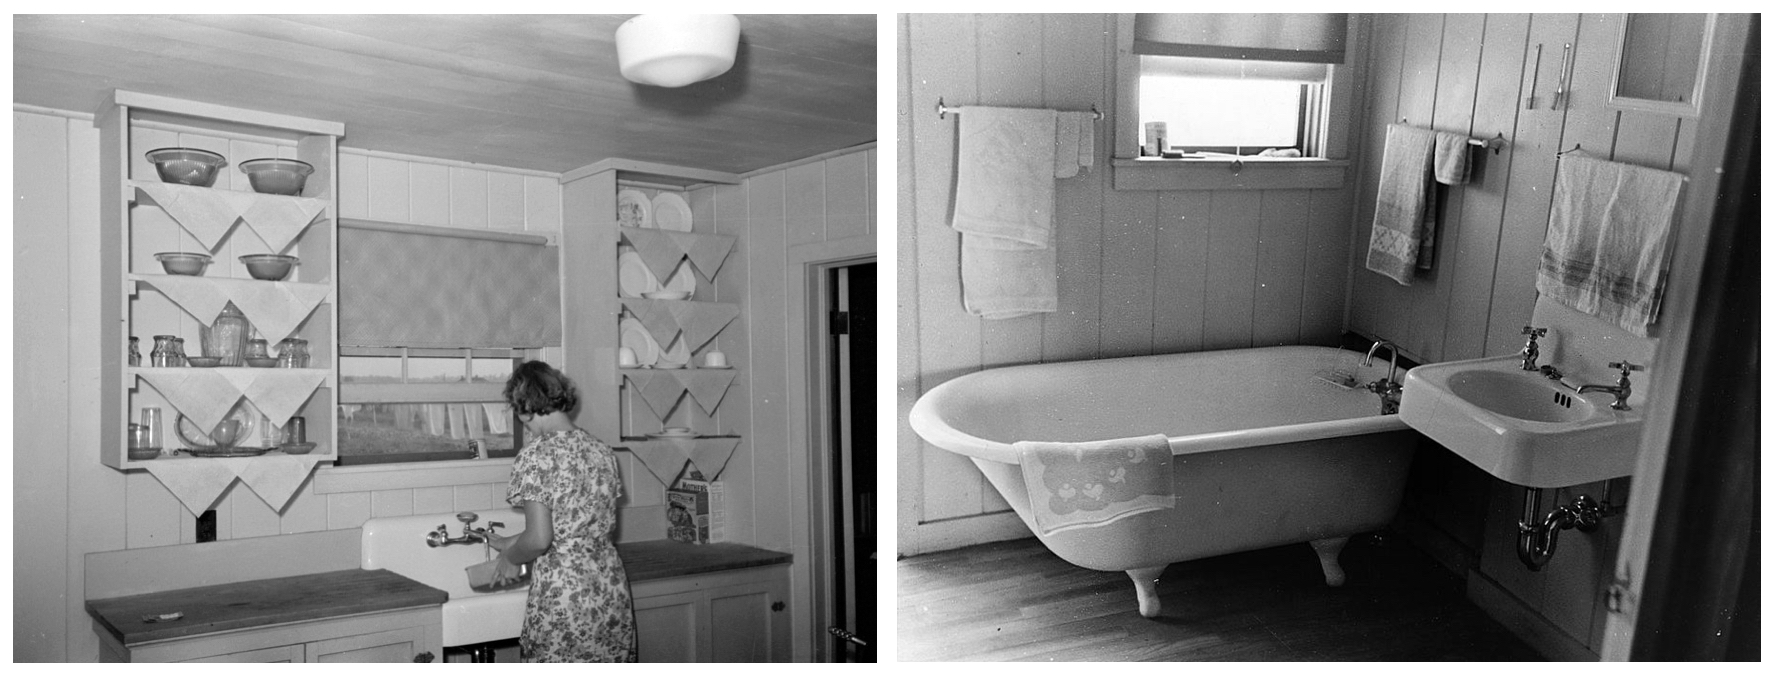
column 409, row 475
column 1225, row 173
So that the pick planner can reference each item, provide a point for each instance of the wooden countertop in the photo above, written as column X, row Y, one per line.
column 265, row 602
column 664, row 558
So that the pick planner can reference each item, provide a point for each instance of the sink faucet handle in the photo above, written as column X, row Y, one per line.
column 1626, row 368
column 1534, row 332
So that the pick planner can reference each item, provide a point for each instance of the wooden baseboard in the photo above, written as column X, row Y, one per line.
column 1524, row 622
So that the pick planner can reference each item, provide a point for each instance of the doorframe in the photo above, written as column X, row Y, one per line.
column 807, row 265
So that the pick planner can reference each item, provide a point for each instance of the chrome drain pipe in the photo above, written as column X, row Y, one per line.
column 1535, row 542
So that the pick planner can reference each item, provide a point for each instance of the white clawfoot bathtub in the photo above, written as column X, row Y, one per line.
column 1264, row 452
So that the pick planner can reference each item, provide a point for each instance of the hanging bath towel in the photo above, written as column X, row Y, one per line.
column 1606, row 233
column 1004, row 210
column 1405, row 203
column 1075, row 485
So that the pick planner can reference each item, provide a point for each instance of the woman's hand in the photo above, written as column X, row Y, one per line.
column 500, row 543
column 504, row 572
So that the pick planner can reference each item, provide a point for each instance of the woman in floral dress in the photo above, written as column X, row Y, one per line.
column 566, row 481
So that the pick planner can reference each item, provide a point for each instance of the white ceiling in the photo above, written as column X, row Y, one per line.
column 525, row 91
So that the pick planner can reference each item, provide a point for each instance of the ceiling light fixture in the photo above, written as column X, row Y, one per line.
column 673, row 50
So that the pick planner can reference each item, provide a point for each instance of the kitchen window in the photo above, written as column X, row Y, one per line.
column 431, row 323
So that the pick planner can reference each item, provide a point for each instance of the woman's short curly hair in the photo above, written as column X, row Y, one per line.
column 536, row 388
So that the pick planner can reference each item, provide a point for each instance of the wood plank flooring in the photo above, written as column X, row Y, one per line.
column 1016, row 601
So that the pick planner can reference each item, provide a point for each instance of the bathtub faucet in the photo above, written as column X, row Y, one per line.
column 470, row 535
column 1389, row 389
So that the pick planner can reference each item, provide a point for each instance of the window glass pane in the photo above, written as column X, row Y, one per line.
column 423, row 428
column 1217, row 113
column 383, row 369
column 437, row 369
column 492, row 370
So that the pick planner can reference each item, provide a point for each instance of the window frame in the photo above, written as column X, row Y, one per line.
column 1323, row 167
column 406, row 392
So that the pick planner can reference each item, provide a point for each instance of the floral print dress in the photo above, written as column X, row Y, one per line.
column 579, row 607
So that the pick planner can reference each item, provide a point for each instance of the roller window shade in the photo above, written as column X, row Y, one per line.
column 412, row 289
column 1299, row 38
column 1231, row 69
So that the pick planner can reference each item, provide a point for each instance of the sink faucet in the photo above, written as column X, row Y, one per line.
column 470, row 535
column 1388, row 389
column 1531, row 351
column 1622, row 388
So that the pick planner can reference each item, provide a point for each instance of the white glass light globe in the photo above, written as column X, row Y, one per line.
column 673, row 50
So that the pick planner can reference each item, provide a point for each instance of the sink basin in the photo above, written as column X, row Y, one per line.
column 469, row 616
column 1519, row 426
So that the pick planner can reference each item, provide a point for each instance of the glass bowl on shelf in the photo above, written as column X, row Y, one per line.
column 186, row 166
column 182, row 263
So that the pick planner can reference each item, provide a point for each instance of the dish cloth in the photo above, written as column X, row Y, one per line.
column 1078, row 485
column 1403, row 238
column 1604, row 253
column 1075, row 143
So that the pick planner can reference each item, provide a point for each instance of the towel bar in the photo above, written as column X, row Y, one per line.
column 943, row 110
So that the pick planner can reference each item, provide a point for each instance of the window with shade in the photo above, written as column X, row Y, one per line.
column 1235, row 84
column 431, row 322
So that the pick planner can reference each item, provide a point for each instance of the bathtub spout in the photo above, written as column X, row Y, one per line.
column 1146, row 588
column 1328, row 550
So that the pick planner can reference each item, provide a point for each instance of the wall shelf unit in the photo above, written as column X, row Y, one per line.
column 145, row 216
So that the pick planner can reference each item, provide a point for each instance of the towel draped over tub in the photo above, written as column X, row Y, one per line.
column 1075, row 485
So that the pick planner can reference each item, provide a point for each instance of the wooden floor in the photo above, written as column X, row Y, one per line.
column 1015, row 601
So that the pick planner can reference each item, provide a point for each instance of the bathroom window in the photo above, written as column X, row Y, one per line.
column 1228, row 116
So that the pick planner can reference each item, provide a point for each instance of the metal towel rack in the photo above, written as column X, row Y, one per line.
column 1495, row 144
column 944, row 110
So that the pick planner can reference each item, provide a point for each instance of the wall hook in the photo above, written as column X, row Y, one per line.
column 1574, row 148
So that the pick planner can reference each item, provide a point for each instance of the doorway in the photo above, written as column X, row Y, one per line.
column 849, row 403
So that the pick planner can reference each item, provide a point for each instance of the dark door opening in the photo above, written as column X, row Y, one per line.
column 853, row 503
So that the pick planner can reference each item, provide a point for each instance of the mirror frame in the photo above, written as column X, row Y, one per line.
column 1689, row 108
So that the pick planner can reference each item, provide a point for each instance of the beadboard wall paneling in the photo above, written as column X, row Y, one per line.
column 424, row 191
column 1140, row 272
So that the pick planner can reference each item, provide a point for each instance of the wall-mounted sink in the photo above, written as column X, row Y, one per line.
column 470, row 616
column 1519, row 426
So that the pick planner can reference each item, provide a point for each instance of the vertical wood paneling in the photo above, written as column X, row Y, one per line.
column 1498, row 93
column 1457, row 73
column 1074, row 77
column 1328, row 267
column 153, row 512
column 804, row 203
column 428, row 193
column 505, row 201
column 354, row 185
column 950, row 486
column 468, row 197
column 1232, row 267
column 1281, row 255
column 731, row 206
column 767, row 316
column 1180, row 288
column 40, row 386
column 1129, row 231
column 542, row 204
column 847, row 195
column 1366, row 287
column 252, row 516
column 1010, row 54
column 390, row 187
column 306, row 512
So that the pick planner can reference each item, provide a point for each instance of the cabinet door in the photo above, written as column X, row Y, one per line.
column 749, row 623
column 395, row 646
column 672, row 628
column 284, row 654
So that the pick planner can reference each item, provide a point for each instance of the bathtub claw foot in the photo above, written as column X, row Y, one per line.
column 1146, row 588
column 1328, row 550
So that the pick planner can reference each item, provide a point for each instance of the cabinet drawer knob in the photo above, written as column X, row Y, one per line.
column 777, row 606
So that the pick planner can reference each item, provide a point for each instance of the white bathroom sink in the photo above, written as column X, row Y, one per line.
column 1520, row 426
column 469, row 616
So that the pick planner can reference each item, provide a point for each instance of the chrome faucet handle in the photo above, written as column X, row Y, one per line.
column 1531, row 351
column 1626, row 367
column 1533, row 332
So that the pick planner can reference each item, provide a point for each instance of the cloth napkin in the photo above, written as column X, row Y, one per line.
column 276, row 308
column 1606, row 239
column 199, row 481
column 660, row 389
column 1078, row 485
column 208, row 213
column 700, row 321
column 661, row 250
column 206, row 395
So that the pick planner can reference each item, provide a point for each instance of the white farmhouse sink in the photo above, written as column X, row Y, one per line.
column 1520, row 426
column 470, row 617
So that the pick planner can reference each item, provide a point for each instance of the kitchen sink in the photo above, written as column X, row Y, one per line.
column 1520, row 426
column 469, row 616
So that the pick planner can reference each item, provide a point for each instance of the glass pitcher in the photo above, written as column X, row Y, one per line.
column 226, row 337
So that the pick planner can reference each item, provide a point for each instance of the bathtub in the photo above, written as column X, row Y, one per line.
column 1265, row 452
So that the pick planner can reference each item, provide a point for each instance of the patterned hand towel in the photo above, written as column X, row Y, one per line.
column 1004, row 183
column 1405, row 204
column 1604, row 252
column 1076, row 485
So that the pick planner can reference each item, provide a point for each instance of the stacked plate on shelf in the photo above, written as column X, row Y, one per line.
column 634, row 280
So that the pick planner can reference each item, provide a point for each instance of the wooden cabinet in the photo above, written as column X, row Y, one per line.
column 143, row 216
column 740, row 616
column 395, row 637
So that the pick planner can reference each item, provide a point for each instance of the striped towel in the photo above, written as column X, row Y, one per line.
column 1604, row 252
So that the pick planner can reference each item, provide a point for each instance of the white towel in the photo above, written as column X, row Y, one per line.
column 1604, row 252
column 1004, row 209
column 1004, row 184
